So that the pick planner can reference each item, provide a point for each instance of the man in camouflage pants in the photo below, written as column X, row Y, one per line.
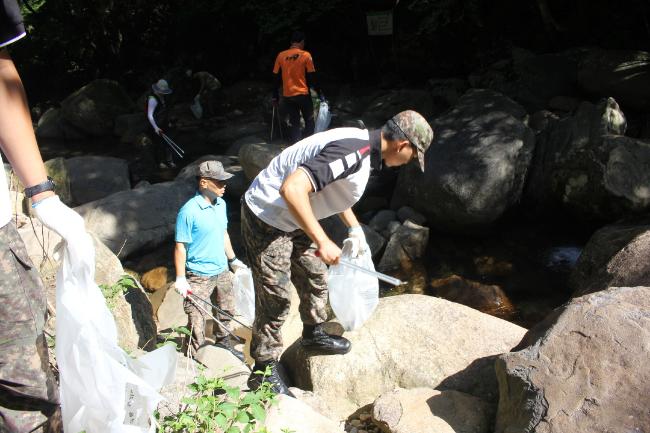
column 28, row 391
column 29, row 398
column 319, row 176
column 201, row 256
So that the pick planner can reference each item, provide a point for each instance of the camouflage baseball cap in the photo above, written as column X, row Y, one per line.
column 417, row 130
column 213, row 170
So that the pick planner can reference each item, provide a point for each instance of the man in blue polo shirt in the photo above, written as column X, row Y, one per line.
column 202, row 254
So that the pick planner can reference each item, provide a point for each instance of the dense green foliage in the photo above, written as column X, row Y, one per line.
column 136, row 41
column 214, row 406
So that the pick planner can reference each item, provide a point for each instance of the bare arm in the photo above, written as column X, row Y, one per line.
column 349, row 218
column 16, row 132
column 295, row 191
column 152, row 103
column 180, row 255
column 227, row 246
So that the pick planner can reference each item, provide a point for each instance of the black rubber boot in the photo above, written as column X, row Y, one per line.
column 226, row 343
column 277, row 384
column 314, row 337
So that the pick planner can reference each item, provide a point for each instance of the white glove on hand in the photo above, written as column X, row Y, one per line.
column 70, row 226
column 182, row 286
column 358, row 239
column 237, row 264
column 58, row 217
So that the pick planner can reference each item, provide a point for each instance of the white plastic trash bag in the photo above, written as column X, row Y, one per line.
column 353, row 294
column 244, row 295
column 102, row 388
column 324, row 117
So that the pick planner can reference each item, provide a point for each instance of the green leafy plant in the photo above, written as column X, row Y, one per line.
column 111, row 293
column 214, row 406
column 176, row 332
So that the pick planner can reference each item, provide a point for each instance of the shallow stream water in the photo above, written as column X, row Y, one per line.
column 529, row 261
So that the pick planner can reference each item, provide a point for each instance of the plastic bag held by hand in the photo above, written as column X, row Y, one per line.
column 102, row 388
column 244, row 295
column 353, row 294
column 324, row 117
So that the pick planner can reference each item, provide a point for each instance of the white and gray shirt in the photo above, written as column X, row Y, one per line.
column 337, row 163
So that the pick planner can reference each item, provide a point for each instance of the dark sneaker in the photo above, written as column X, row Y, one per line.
column 277, row 384
column 227, row 344
column 315, row 338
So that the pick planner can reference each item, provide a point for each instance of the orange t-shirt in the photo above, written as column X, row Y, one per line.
column 295, row 63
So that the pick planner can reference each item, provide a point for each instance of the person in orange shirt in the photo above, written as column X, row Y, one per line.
column 294, row 70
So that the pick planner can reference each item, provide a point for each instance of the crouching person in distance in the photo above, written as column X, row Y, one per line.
column 202, row 255
column 321, row 175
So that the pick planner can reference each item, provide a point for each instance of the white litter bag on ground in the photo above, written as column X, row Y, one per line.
column 102, row 388
column 324, row 117
column 353, row 294
column 244, row 295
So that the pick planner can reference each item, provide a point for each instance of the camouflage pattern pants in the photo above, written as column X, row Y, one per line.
column 218, row 291
column 277, row 259
column 28, row 391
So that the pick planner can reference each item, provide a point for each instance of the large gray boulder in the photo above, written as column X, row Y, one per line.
column 295, row 416
column 407, row 243
column 476, row 166
column 425, row 410
column 96, row 177
column 622, row 74
column 387, row 104
column 584, row 369
column 128, row 221
column 254, row 157
column 615, row 256
column 129, row 126
column 49, row 124
column 136, row 328
column 409, row 341
column 585, row 167
column 93, row 108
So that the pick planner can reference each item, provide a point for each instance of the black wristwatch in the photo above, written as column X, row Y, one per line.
column 48, row 185
column 232, row 260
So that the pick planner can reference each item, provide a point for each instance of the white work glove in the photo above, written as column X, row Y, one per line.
column 58, row 217
column 70, row 226
column 181, row 286
column 358, row 239
column 237, row 264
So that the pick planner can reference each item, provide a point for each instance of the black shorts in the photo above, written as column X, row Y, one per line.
column 11, row 22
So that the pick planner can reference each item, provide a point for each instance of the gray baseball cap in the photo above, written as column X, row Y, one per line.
column 417, row 130
column 213, row 170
